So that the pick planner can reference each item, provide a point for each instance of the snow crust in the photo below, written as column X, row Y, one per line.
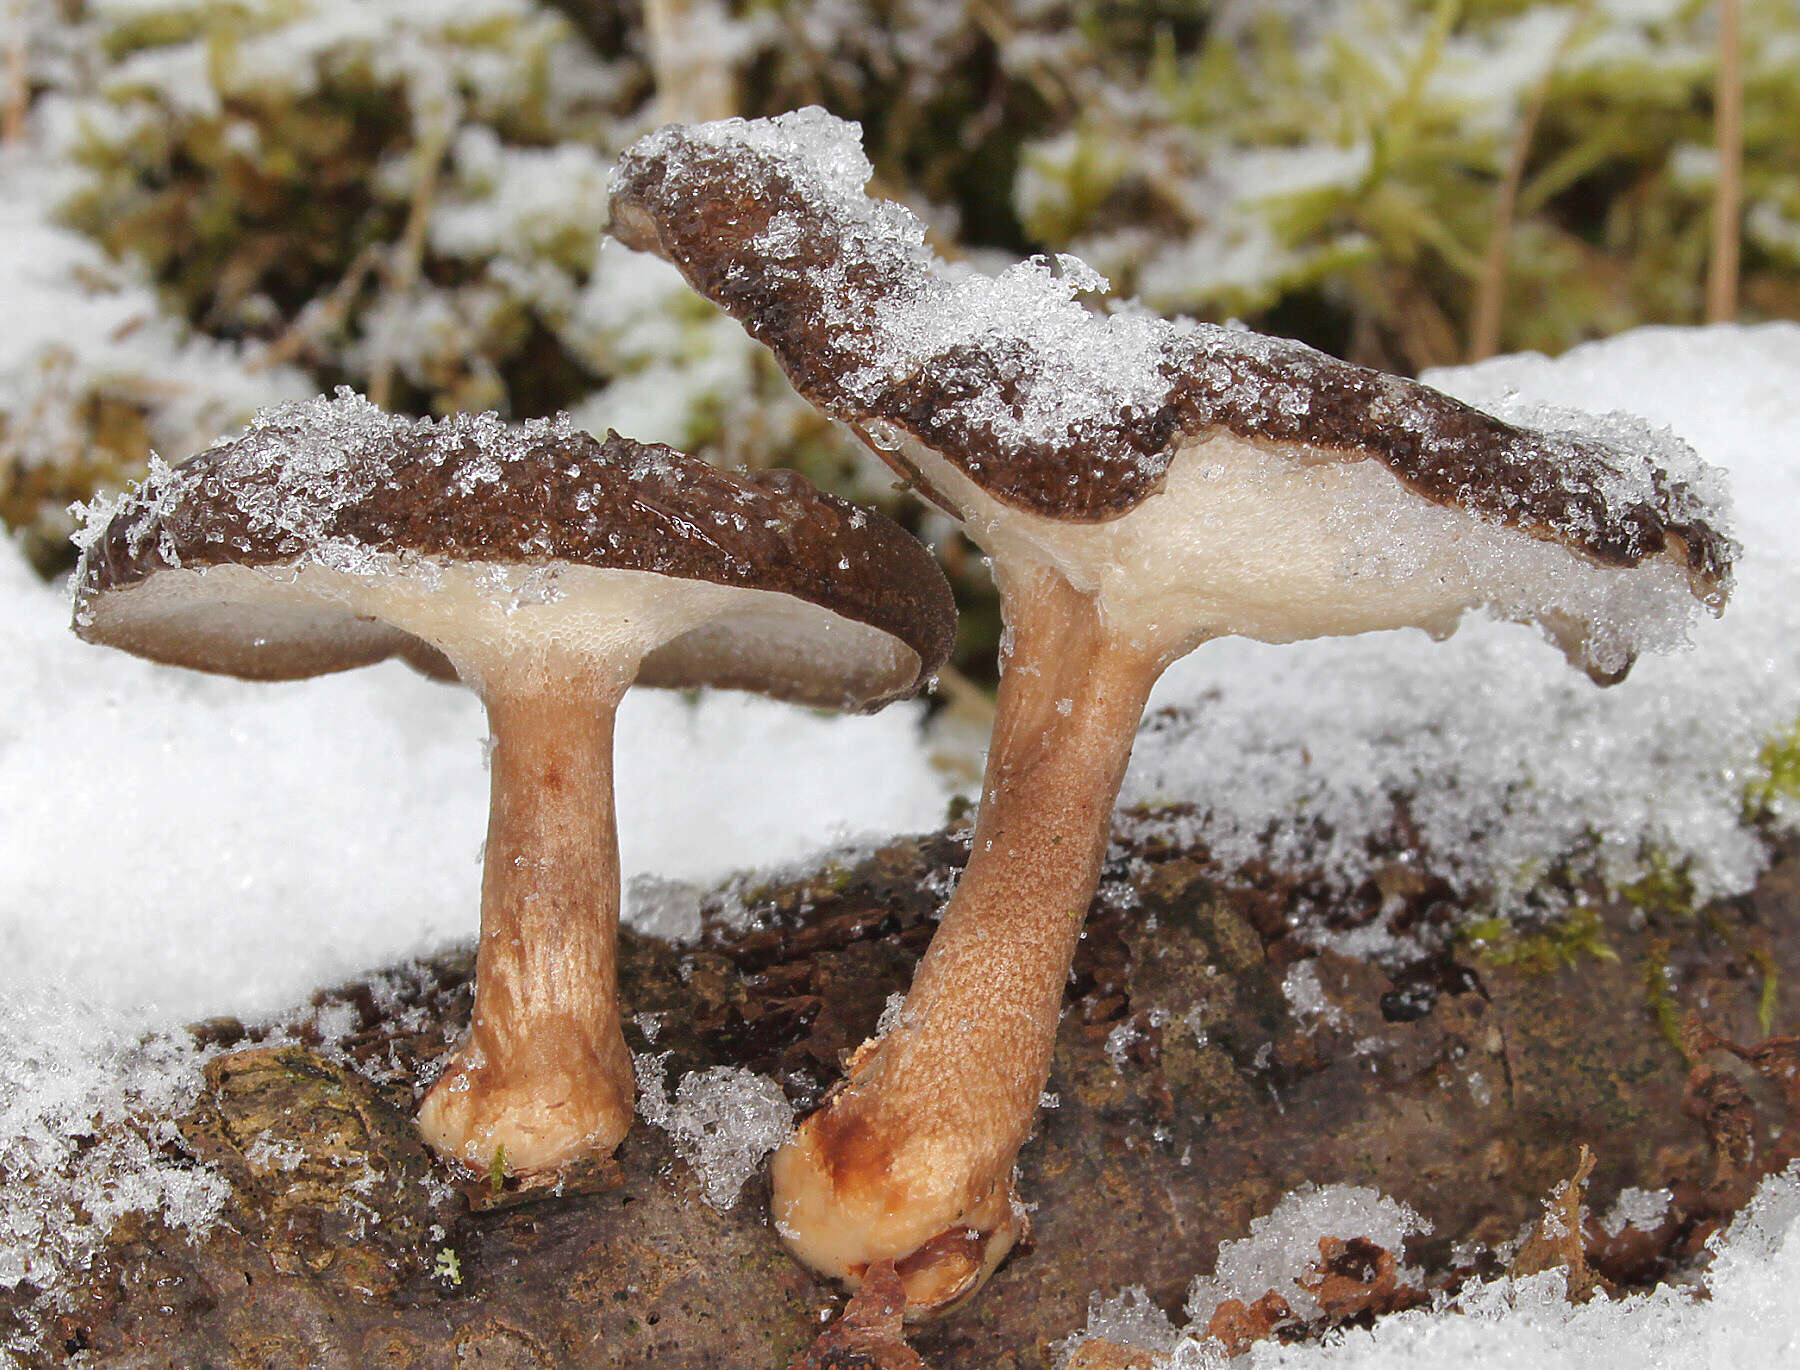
column 1745, row 1317
column 296, row 469
column 1077, row 366
column 70, row 1082
column 1509, row 763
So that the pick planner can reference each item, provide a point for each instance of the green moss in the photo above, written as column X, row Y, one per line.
column 1659, row 998
column 1611, row 226
column 1665, row 890
column 1540, row 950
column 1777, row 783
column 1771, row 986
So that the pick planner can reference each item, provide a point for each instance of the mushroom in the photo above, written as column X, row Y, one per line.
column 548, row 571
column 1140, row 487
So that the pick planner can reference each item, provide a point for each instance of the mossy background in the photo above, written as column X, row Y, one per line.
column 409, row 198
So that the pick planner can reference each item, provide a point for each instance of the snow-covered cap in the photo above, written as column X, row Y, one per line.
column 331, row 534
column 1004, row 396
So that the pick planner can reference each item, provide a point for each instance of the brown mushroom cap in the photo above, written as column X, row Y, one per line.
column 331, row 535
column 998, row 394
column 771, row 221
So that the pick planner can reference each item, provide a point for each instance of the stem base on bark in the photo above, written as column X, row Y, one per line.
column 544, row 1077
column 912, row 1160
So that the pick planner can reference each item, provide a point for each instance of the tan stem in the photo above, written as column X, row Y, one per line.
column 544, row 1075
column 912, row 1161
column 1067, row 713
column 1728, row 140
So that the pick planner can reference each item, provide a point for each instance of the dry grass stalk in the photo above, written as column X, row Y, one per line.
column 408, row 259
column 694, row 82
column 320, row 315
column 1728, row 190
column 1490, row 295
column 18, row 76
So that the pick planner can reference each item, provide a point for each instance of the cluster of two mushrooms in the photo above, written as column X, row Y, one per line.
column 1139, row 486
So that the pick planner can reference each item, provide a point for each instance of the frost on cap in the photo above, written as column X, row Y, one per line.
column 342, row 487
column 1071, row 414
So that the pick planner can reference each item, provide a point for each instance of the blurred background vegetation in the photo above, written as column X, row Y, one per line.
column 214, row 204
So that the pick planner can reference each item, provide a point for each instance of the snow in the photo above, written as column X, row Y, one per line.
column 723, row 1121
column 292, row 46
column 1283, row 1245
column 73, row 1079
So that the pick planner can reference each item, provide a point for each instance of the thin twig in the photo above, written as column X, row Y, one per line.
column 1728, row 190
column 964, row 696
column 404, row 266
column 1490, row 295
column 322, row 313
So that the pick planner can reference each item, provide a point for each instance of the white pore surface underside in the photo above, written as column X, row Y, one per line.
column 486, row 618
column 1281, row 544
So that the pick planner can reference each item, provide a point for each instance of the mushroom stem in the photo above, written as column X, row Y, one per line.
column 912, row 1160
column 544, row 1076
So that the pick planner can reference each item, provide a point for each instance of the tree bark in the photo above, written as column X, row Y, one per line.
column 1193, row 1090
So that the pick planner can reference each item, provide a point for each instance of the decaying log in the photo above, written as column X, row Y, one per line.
column 1210, row 1059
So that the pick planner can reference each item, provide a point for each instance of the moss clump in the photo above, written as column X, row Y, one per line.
column 1333, row 172
column 1774, row 793
column 1659, row 997
column 1540, row 950
column 1665, row 891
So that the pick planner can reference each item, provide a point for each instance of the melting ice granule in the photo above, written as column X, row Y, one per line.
column 1129, row 1318
column 890, row 1014
column 1308, row 999
column 723, row 1122
column 1639, row 1208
